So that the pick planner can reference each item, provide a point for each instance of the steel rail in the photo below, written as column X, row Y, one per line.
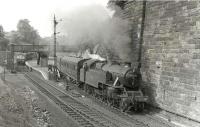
column 79, row 112
column 127, row 115
column 69, row 110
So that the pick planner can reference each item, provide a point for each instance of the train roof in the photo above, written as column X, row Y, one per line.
column 72, row 59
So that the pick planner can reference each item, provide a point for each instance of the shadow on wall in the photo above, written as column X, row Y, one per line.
column 149, row 89
column 151, row 107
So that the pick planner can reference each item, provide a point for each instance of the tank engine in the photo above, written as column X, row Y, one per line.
column 115, row 84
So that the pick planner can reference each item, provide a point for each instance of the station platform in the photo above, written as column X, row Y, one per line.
column 43, row 70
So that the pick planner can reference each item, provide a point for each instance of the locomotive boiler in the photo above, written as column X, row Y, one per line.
column 116, row 84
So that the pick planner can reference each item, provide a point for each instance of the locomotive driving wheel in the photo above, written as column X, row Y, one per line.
column 85, row 88
column 139, row 106
column 109, row 101
column 123, row 105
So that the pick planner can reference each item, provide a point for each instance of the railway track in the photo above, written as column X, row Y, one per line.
column 80, row 113
column 144, row 118
column 139, row 118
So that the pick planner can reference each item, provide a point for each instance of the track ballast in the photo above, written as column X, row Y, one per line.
column 80, row 113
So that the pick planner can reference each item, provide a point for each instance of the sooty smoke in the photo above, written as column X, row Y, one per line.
column 92, row 25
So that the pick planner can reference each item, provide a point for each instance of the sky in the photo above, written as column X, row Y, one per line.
column 39, row 12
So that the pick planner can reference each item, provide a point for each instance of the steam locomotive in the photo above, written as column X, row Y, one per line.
column 118, row 85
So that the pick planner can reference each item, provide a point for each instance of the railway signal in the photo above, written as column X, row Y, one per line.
column 55, row 22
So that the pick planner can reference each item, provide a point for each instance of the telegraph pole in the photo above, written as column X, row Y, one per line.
column 4, row 70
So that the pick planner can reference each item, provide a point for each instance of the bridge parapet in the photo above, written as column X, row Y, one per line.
column 28, row 48
column 25, row 48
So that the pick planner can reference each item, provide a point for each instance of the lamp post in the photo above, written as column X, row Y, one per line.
column 4, row 70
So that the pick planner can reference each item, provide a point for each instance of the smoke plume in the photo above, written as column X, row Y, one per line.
column 92, row 25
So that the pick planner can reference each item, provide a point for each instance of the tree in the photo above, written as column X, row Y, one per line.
column 27, row 33
column 3, row 41
column 15, row 37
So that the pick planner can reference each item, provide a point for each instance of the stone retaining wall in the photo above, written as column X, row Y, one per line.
column 171, row 53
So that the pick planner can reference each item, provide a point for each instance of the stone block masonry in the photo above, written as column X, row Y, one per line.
column 170, row 53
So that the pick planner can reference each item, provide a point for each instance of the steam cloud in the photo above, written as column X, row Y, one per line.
column 93, row 25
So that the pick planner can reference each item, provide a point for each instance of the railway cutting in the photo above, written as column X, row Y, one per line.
column 78, row 111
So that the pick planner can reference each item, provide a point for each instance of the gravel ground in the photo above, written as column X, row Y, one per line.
column 22, row 105
column 19, row 108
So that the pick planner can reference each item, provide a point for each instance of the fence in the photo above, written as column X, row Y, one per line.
column 5, row 56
